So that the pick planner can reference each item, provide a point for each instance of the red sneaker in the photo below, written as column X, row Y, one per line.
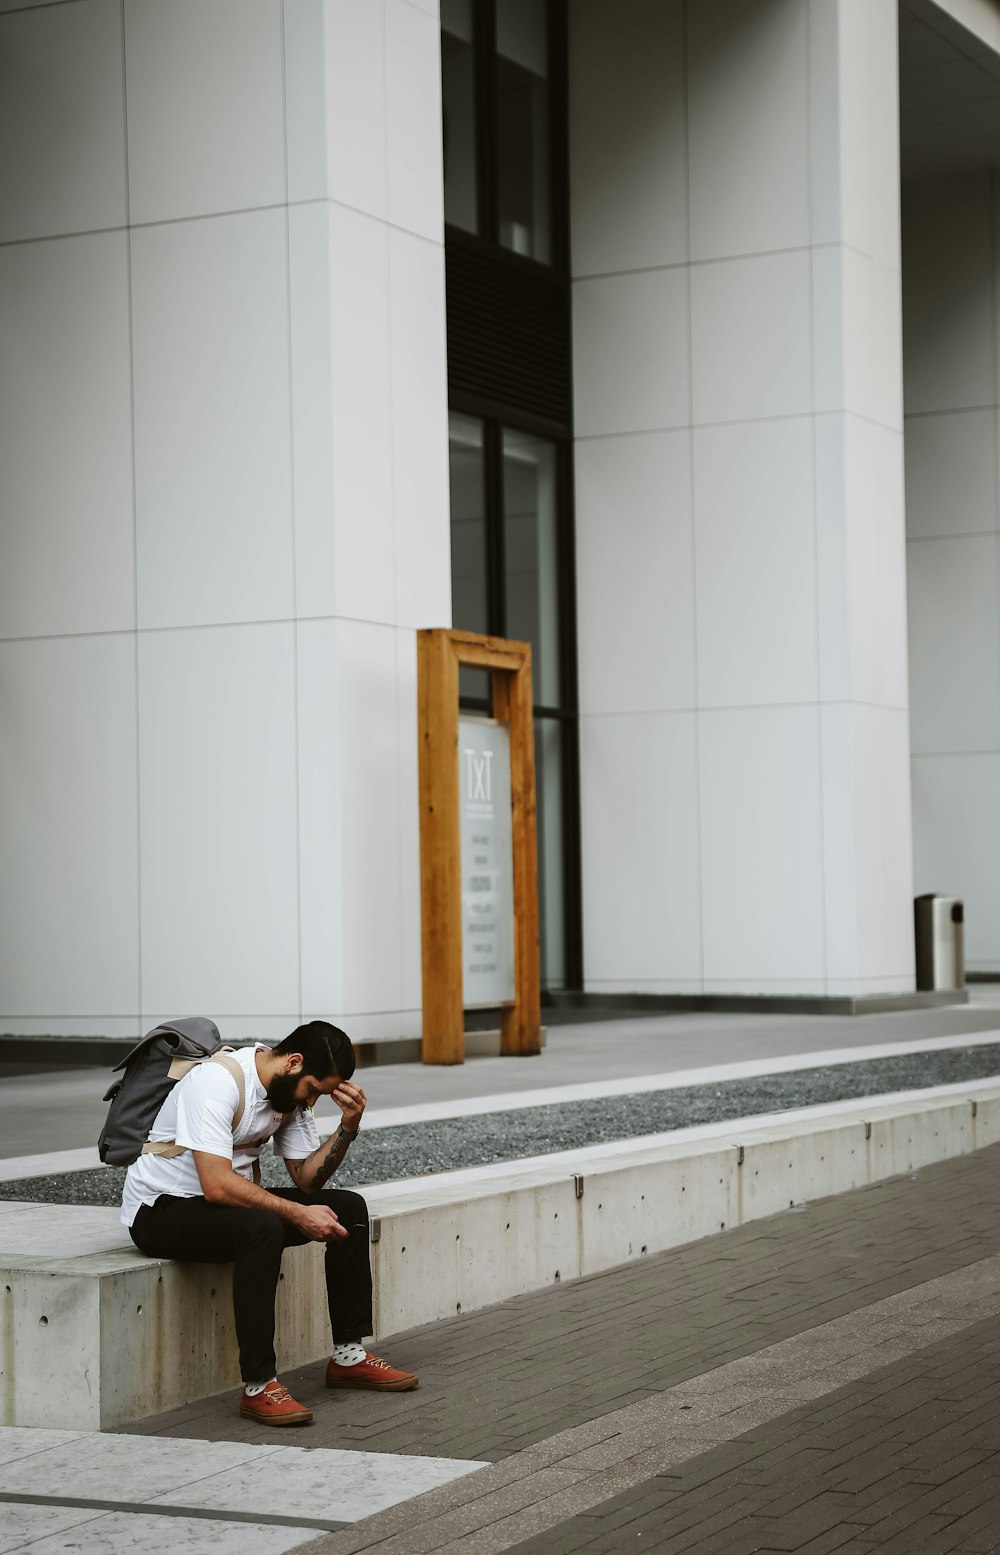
column 370, row 1373
column 274, row 1406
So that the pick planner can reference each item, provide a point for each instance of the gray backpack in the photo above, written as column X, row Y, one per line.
column 152, row 1069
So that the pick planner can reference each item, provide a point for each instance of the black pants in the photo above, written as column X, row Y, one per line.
column 253, row 1240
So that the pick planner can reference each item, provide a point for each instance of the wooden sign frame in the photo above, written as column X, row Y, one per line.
column 439, row 654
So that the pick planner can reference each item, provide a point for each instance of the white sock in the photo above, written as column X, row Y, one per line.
column 348, row 1354
column 251, row 1389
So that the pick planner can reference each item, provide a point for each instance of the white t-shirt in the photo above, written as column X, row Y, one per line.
column 198, row 1113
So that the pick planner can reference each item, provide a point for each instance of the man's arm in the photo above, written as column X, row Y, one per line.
column 221, row 1185
column 316, row 1170
column 313, row 1173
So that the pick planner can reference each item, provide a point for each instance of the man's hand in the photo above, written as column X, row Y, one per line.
column 318, row 1223
column 351, row 1100
column 221, row 1185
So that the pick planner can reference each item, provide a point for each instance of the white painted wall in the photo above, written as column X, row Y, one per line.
column 739, row 496
column 953, row 543
column 223, row 479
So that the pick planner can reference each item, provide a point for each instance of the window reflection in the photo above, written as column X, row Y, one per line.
column 531, row 545
column 469, row 547
column 458, row 108
column 549, row 788
column 523, row 177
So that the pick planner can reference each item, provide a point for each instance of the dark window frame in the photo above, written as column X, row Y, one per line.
column 484, row 33
column 497, row 415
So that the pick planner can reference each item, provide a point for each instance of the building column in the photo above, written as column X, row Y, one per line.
column 741, row 552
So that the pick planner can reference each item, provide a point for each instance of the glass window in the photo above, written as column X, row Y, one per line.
column 531, row 547
column 470, row 587
column 523, row 177
column 549, row 790
column 458, row 108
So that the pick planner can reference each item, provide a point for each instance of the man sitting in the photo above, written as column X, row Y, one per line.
column 204, row 1203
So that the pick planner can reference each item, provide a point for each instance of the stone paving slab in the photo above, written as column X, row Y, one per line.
column 497, row 1381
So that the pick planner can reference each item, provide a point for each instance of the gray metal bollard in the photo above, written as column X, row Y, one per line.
column 939, row 925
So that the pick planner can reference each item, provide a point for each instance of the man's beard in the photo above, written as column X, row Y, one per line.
column 281, row 1092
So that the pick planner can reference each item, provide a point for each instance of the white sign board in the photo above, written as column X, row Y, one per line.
column 487, row 863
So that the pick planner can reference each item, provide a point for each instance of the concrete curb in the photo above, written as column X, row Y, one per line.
column 103, row 1336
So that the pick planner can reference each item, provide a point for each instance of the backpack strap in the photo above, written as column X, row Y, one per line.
column 182, row 1066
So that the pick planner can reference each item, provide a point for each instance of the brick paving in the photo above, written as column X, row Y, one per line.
column 905, row 1461
column 496, row 1382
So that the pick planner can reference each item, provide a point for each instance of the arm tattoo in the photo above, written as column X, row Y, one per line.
column 334, row 1155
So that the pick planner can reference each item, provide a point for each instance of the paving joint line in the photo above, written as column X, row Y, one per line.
column 153, row 1509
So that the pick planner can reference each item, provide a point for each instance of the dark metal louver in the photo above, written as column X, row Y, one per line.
column 509, row 336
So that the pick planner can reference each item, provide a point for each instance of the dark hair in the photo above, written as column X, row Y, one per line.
column 325, row 1049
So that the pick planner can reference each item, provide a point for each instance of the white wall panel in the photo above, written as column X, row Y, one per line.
column 409, row 821
column 335, row 92
column 862, row 562
column 956, row 815
column 867, row 844
column 630, row 353
column 205, row 109
column 323, row 900
column 305, row 87
column 951, row 474
column 66, row 552
column 413, row 84
column 312, row 373
column 62, row 120
column 641, row 892
column 748, row 117
column 628, row 171
column 750, row 338
column 370, row 815
column 356, row 166
column 756, row 563
column 420, row 432
column 68, row 839
column 342, row 413
column 635, row 573
column 218, row 821
column 857, row 335
column 212, row 435
column 948, row 309
column 762, row 845
column 854, row 102
column 954, row 598
column 359, row 816
column 362, row 406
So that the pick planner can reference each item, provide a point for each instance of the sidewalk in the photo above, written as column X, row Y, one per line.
column 64, row 1111
column 825, row 1380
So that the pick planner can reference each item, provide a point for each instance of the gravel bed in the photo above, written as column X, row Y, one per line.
column 416, row 1149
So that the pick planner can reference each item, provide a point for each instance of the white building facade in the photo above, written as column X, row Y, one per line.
column 235, row 281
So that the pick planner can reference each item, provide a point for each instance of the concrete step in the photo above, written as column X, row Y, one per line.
column 94, row 1335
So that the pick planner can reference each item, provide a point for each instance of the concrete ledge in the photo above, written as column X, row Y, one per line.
column 93, row 1335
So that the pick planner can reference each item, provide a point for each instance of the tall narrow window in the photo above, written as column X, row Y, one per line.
column 458, row 108
column 504, row 69
column 470, row 562
column 524, row 182
column 531, row 555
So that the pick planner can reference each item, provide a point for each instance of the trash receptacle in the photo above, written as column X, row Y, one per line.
column 939, row 922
